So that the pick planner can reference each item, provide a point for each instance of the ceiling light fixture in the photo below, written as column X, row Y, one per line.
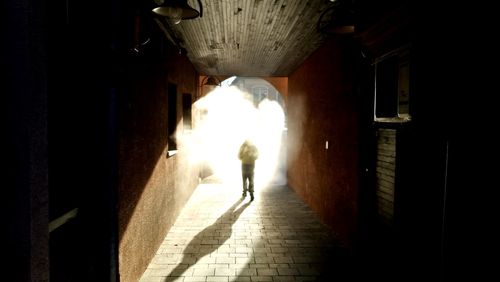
column 177, row 10
column 337, row 19
column 211, row 80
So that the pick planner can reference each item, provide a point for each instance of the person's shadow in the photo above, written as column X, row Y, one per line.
column 194, row 251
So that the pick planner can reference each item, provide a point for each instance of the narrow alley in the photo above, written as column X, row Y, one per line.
column 219, row 236
column 124, row 122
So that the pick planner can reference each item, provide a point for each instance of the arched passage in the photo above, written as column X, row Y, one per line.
column 266, row 97
column 241, row 108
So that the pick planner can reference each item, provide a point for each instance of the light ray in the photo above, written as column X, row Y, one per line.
column 222, row 120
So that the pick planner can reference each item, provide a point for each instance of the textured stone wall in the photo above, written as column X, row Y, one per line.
column 153, row 187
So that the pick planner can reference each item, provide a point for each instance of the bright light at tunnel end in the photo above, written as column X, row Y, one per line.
column 222, row 120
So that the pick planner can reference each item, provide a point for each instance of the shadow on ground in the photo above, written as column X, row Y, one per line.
column 208, row 240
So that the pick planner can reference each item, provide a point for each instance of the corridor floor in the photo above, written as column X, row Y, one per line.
column 219, row 236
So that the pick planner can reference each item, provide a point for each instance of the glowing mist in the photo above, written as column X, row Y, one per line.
column 222, row 120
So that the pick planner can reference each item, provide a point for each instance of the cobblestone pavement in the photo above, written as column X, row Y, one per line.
column 221, row 237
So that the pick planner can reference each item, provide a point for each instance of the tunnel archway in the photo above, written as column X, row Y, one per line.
column 242, row 108
column 260, row 90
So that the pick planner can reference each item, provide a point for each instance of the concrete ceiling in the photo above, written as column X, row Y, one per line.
column 249, row 37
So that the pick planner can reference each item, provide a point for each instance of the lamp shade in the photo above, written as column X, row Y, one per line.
column 176, row 9
column 337, row 19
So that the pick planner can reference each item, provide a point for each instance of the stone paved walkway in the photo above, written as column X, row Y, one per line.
column 221, row 237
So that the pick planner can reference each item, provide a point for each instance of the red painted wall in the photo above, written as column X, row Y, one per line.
column 321, row 108
column 280, row 83
column 153, row 188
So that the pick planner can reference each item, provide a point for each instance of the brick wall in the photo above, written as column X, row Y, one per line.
column 153, row 187
column 321, row 108
column 385, row 173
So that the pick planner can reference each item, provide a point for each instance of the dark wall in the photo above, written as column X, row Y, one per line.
column 437, row 162
column 153, row 187
column 82, row 93
column 24, row 207
column 78, row 99
column 60, row 127
column 321, row 107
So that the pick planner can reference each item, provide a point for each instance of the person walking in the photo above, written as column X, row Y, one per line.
column 248, row 154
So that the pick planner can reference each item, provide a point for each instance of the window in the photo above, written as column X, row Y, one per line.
column 171, row 118
column 260, row 93
column 392, row 87
column 186, row 112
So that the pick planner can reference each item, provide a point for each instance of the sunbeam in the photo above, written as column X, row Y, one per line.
column 222, row 120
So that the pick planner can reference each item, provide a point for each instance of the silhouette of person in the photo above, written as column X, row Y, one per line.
column 196, row 249
column 248, row 154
